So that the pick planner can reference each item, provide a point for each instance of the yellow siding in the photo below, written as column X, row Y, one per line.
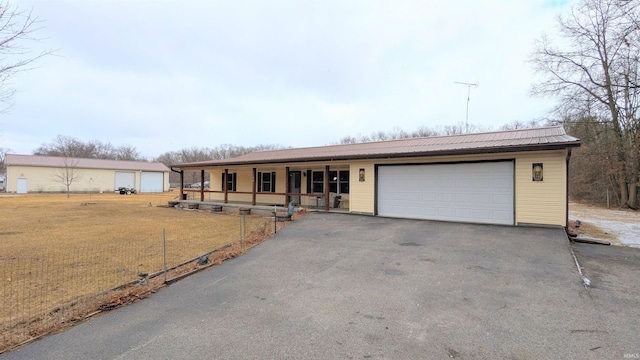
column 361, row 194
column 541, row 202
column 535, row 202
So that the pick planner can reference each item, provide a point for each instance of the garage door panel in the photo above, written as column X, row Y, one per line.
column 151, row 182
column 469, row 192
column 125, row 179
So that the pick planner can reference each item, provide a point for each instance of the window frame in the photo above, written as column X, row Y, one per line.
column 231, row 182
column 262, row 181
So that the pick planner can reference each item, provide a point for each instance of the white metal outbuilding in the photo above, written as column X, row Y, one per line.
column 35, row 173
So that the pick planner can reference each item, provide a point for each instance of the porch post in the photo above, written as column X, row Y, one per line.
column 202, row 185
column 326, row 188
column 181, row 184
column 286, row 187
column 253, row 188
column 224, row 185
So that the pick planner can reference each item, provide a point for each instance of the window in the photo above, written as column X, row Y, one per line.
column 317, row 182
column 343, row 179
column 231, row 182
column 267, row 182
column 339, row 181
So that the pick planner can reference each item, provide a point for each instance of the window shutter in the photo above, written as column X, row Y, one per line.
column 273, row 181
column 223, row 181
column 234, row 181
column 259, row 182
column 309, row 182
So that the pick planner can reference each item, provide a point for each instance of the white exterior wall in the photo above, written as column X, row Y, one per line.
column 43, row 179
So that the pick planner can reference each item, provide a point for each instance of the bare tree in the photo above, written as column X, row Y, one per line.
column 3, row 152
column 195, row 154
column 127, row 152
column 592, row 179
column 517, row 124
column 67, row 146
column 16, row 27
column 67, row 173
column 594, row 74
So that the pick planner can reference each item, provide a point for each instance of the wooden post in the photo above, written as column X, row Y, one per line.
column 286, row 187
column 225, row 187
column 326, row 188
column 253, row 187
column 181, row 184
column 202, row 185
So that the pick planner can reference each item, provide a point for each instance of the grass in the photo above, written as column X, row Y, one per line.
column 55, row 250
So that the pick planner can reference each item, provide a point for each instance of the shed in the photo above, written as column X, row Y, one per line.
column 35, row 173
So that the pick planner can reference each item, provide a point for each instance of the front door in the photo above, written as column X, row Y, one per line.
column 295, row 179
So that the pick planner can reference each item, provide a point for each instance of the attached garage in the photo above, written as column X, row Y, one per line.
column 479, row 192
column 151, row 182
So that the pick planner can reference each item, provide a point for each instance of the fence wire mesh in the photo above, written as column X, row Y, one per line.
column 50, row 290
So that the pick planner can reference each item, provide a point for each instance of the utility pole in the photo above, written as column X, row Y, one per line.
column 469, row 86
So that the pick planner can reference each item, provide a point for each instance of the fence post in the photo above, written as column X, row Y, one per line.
column 164, row 248
column 241, row 218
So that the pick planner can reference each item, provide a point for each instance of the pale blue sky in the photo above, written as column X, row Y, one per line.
column 165, row 75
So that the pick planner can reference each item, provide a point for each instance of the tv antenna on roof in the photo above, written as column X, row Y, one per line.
column 469, row 86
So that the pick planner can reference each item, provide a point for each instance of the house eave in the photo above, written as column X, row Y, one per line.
column 408, row 154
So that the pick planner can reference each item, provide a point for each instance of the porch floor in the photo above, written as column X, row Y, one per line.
column 258, row 208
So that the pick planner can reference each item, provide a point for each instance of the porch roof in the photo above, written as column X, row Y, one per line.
column 547, row 138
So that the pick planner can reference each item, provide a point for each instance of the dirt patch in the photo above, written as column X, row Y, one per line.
column 619, row 226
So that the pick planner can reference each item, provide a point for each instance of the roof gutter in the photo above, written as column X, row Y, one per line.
column 181, row 172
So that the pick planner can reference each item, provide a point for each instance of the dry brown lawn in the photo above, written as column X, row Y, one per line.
column 55, row 250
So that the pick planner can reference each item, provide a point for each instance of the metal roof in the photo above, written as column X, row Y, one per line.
column 56, row 161
column 490, row 142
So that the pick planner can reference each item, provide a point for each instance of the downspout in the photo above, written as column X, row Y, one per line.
column 181, row 172
column 566, row 226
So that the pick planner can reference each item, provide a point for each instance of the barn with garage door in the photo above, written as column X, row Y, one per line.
column 517, row 177
column 34, row 173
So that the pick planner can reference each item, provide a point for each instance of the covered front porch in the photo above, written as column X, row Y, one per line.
column 308, row 186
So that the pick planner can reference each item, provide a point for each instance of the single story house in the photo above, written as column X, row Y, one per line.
column 516, row 177
column 34, row 173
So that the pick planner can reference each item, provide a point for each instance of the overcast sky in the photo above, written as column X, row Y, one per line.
column 166, row 75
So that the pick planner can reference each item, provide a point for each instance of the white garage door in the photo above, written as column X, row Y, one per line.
column 125, row 179
column 467, row 192
column 151, row 182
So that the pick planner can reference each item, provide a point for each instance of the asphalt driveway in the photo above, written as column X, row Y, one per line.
column 344, row 286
